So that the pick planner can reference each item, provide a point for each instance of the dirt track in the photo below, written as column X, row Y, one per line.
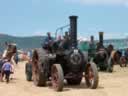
column 115, row 84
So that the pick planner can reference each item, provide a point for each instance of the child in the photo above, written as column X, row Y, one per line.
column 6, row 70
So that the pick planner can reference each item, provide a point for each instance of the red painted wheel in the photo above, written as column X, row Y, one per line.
column 91, row 75
column 39, row 78
column 57, row 77
column 123, row 62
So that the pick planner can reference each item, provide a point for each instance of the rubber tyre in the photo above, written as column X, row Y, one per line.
column 57, row 77
column 28, row 71
column 94, row 83
column 39, row 77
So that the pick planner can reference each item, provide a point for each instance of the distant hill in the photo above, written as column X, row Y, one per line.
column 36, row 41
column 22, row 42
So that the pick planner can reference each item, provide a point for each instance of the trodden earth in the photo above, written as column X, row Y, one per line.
column 110, row 84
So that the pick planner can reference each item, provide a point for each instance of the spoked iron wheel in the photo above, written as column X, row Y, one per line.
column 123, row 62
column 57, row 77
column 91, row 75
column 37, row 68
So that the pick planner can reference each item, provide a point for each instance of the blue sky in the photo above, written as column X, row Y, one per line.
column 36, row 17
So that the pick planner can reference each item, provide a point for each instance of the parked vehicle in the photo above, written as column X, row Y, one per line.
column 63, row 61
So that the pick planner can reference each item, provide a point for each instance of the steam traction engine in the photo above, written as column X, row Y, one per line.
column 103, row 56
column 62, row 63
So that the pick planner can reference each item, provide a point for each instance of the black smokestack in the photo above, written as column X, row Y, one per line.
column 73, row 30
column 92, row 39
column 101, row 38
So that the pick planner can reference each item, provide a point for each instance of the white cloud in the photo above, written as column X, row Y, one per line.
column 100, row 2
column 81, row 38
column 40, row 33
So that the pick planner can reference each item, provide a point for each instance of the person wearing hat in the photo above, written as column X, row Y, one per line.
column 48, row 42
column 48, row 39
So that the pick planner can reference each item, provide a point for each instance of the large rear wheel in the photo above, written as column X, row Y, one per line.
column 91, row 75
column 37, row 68
column 57, row 77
